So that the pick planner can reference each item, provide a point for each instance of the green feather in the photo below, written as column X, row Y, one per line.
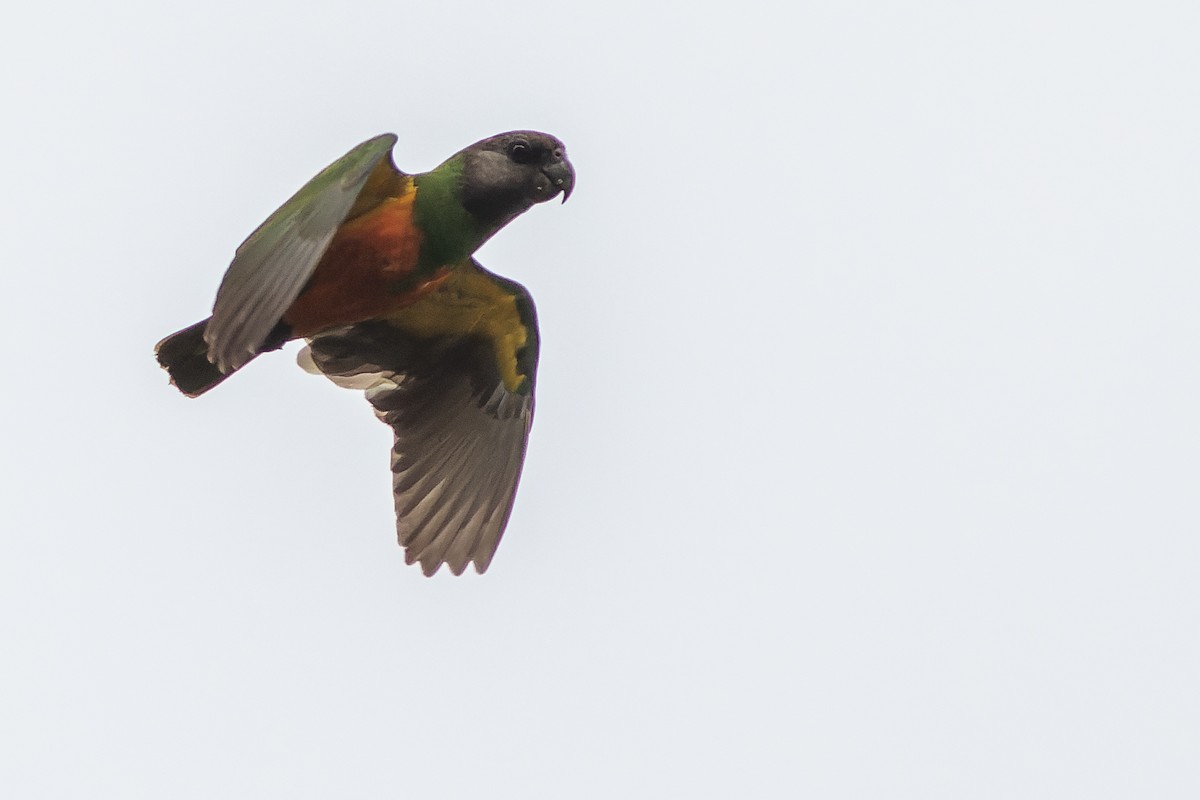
column 451, row 233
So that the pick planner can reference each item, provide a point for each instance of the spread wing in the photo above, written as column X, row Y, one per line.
column 456, row 385
column 272, row 266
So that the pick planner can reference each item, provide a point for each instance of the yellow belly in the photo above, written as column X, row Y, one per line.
column 466, row 302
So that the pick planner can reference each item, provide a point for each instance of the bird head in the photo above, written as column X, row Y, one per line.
column 506, row 174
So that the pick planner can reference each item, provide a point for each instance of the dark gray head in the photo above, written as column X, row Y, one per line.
column 505, row 174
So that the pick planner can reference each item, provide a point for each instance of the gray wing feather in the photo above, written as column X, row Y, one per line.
column 272, row 266
column 460, row 435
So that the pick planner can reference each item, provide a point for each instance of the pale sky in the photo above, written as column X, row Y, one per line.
column 866, row 454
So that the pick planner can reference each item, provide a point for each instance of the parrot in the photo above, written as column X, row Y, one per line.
column 374, row 268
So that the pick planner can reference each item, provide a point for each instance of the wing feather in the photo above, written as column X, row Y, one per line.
column 460, row 430
column 270, row 268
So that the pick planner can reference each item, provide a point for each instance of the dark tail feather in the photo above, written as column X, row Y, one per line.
column 184, row 355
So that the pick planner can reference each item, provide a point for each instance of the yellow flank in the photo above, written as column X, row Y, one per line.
column 382, row 184
column 468, row 301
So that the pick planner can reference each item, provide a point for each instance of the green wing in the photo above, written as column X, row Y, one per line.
column 460, row 433
column 272, row 266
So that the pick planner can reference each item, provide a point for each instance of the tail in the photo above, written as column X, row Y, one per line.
column 184, row 355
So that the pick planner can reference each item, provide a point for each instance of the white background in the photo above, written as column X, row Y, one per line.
column 866, row 455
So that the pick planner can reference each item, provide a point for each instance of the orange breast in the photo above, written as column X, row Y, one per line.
column 368, row 271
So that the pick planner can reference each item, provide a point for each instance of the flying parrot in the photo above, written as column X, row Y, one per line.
column 374, row 268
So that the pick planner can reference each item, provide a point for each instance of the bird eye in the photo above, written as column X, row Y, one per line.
column 520, row 152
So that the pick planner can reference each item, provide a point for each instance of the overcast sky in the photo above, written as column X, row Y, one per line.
column 866, row 457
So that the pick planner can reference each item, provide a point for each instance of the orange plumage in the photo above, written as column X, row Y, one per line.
column 369, row 271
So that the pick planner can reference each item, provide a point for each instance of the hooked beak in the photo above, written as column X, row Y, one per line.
column 562, row 176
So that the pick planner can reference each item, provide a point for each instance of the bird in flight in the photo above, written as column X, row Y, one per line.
column 374, row 268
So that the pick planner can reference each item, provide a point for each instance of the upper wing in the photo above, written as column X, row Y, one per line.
column 271, row 267
column 453, row 375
